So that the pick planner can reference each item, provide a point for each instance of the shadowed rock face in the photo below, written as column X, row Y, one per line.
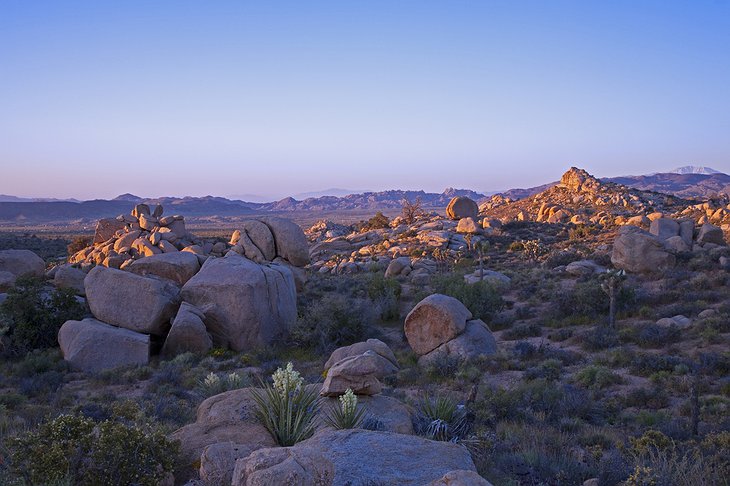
column 93, row 346
column 245, row 304
column 137, row 303
column 636, row 250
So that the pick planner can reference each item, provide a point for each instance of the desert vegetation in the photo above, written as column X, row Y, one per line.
column 502, row 340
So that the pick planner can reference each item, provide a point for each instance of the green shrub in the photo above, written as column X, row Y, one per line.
column 333, row 321
column 31, row 319
column 287, row 409
column 78, row 244
column 481, row 298
column 599, row 338
column 597, row 377
column 385, row 294
column 78, row 450
column 522, row 330
column 378, row 221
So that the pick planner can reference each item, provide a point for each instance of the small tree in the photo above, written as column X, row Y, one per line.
column 411, row 211
column 611, row 283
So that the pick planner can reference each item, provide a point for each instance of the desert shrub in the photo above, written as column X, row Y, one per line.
column 561, row 258
column 654, row 398
column 597, row 377
column 333, row 321
column 31, row 318
column 549, row 369
column 287, row 409
column 348, row 415
column 385, row 294
column 78, row 244
column 481, row 298
column 599, row 338
column 652, row 335
column 522, row 330
column 588, row 299
column 378, row 221
column 443, row 366
column 78, row 450
column 580, row 232
column 411, row 210
column 441, row 418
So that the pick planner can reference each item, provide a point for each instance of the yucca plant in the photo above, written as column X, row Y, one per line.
column 348, row 415
column 442, row 419
column 287, row 409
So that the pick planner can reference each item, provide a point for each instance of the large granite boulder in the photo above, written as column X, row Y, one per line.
column 22, row 262
column 358, row 373
column 664, row 228
column 256, row 238
column 285, row 466
column 476, row 340
column 225, row 418
column 70, row 277
column 461, row 478
column 246, row 305
column 433, row 321
column 709, row 233
column 635, row 250
column 291, row 243
column 462, row 207
column 106, row 229
column 369, row 457
column 178, row 267
column 93, row 346
column 137, row 303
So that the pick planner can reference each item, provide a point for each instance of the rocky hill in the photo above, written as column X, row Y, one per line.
column 689, row 185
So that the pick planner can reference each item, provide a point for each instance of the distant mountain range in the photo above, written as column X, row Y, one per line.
column 688, row 182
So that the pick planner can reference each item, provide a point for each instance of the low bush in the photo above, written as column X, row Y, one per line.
column 333, row 321
column 77, row 450
column 597, row 377
column 385, row 294
column 481, row 298
column 30, row 317
column 522, row 330
column 599, row 338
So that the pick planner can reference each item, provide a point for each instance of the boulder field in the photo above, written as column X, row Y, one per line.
column 188, row 298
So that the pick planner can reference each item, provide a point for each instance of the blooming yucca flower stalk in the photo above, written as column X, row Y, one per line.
column 287, row 409
column 348, row 415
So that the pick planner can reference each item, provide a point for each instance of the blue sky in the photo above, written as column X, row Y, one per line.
column 275, row 98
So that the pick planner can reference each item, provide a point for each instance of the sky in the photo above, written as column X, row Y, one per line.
column 274, row 98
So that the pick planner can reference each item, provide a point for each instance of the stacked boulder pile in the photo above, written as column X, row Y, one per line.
column 441, row 327
column 183, row 301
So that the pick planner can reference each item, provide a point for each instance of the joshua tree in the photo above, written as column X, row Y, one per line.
column 482, row 248
column 611, row 283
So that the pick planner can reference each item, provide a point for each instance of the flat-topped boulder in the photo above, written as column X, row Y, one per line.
column 178, row 267
column 92, row 346
column 137, row 303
